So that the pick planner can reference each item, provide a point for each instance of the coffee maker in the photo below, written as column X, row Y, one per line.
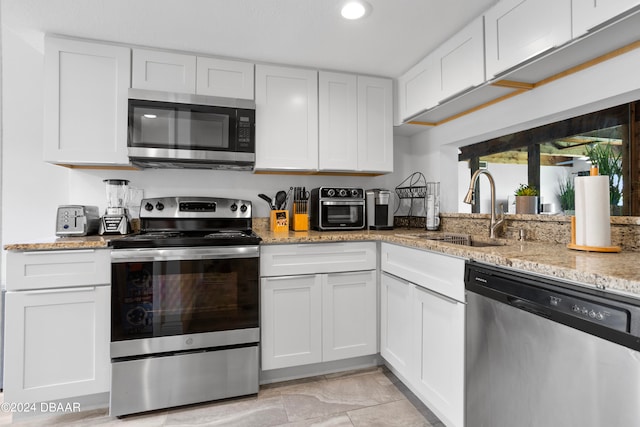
column 379, row 215
column 116, row 219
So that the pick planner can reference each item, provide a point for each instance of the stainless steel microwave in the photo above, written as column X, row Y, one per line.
column 175, row 130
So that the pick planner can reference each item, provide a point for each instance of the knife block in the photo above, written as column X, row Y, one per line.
column 300, row 222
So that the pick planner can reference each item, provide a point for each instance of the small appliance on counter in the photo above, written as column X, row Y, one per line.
column 77, row 220
column 379, row 215
column 116, row 219
column 336, row 208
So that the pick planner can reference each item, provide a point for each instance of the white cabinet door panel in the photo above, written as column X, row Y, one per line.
column 588, row 14
column 395, row 322
column 438, row 346
column 349, row 326
column 516, row 30
column 419, row 88
column 375, row 124
column 291, row 321
column 57, row 344
column 53, row 269
column 338, row 127
column 165, row 71
column 286, row 118
column 462, row 60
column 85, row 102
column 219, row 77
column 442, row 273
column 283, row 260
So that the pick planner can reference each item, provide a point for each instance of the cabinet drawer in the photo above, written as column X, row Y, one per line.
column 52, row 269
column 443, row 274
column 284, row 260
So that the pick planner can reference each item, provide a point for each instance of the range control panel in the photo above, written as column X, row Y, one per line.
column 195, row 207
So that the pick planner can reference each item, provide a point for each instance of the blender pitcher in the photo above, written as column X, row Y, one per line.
column 116, row 218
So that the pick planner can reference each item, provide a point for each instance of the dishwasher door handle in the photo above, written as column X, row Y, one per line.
column 527, row 306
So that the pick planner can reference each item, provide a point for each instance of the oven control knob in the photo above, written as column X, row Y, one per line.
column 331, row 192
column 159, row 206
column 234, row 207
column 148, row 207
column 243, row 208
column 599, row 316
column 354, row 193
column 342, row 192
column 592, row 314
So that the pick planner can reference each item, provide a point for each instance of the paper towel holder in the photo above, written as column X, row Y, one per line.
column 572, row 244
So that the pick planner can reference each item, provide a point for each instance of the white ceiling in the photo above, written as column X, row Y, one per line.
column 310, row 33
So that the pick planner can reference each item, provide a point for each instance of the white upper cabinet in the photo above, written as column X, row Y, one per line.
column 517, row 30
column 461, row 59
column 184, row 73
column 85, row 102
column 219, row 77
column 375, row 124
column 588, row 14
column 418, row 88
column 166, row 71
column 457, row 65
column 286, row 118
column 355, row 123
column 338, row 115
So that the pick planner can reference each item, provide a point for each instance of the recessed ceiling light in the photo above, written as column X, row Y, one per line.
column 355, row 9
column 149, row 116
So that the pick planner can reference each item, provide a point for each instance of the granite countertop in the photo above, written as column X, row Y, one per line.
column 616, row 272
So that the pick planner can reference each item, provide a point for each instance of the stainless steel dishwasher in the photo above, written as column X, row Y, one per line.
column 544, row 352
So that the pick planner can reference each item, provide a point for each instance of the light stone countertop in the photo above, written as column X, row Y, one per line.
column 616, row 272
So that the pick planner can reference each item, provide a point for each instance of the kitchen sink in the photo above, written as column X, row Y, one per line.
column 461, row 239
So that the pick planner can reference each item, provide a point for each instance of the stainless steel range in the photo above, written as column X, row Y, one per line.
column 185, row 305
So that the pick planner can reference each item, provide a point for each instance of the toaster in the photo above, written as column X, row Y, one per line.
column 77, row 220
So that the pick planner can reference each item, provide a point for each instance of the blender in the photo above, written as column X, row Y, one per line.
column 116, row 218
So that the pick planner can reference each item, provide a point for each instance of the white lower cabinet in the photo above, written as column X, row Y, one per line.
column 291, row 321
column 395, row 321
column 56, row 335
column 349, row 315
column 438, row 348
column 312, row 315
column 422, row 326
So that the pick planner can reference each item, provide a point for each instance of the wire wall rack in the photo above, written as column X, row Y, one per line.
column 411, row 194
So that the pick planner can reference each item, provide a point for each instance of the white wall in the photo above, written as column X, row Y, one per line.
column 605, row 85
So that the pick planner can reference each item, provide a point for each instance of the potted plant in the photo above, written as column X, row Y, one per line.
column 567, row 195
column 526, row 199
column 609, row 162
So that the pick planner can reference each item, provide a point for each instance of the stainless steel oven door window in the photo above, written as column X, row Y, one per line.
column 170, row 292
column 173, row 126
column 341, row 213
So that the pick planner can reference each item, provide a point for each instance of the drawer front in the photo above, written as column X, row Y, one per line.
column 53, row 269
column 284, row 260
column 443, row 274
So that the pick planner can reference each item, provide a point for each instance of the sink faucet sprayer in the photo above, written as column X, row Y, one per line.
column 469, row 199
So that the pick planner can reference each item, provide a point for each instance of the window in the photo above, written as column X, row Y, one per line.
column 550, row 156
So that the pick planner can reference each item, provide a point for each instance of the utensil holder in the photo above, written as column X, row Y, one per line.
column 279, row 220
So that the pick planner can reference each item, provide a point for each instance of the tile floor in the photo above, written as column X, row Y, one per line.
column 371, row 397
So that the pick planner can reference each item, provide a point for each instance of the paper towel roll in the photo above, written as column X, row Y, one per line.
column 592, row 211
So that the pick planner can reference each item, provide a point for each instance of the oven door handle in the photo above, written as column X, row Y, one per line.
column 343, row 203
column 183, row 254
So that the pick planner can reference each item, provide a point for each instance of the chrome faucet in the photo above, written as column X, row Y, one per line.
column 469, row 199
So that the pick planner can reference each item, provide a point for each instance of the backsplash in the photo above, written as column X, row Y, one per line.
column 625, row 230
